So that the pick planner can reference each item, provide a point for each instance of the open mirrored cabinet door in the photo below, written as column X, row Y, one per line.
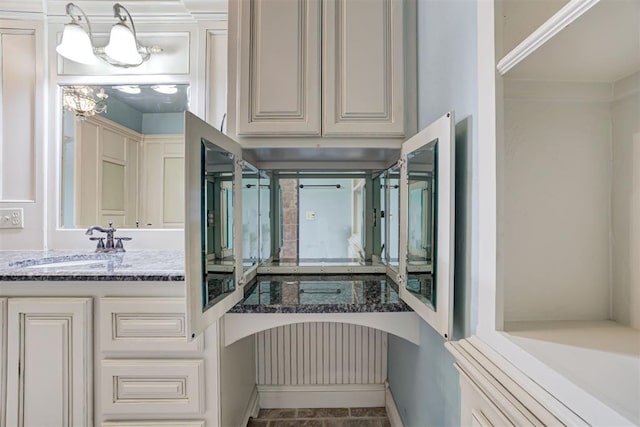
column 427, row 224
column 213, row 226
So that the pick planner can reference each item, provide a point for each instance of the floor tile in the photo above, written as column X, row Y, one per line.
column 276, row 413
column 352, row 422
column 257, row 423
column 368, row 412
column 296, row 423
column 323, row 412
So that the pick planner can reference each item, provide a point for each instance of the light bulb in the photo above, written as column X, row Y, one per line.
column 165, row 89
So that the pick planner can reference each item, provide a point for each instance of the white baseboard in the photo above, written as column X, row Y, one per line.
column 322, row 396
column 253, row 406
column 392, row 410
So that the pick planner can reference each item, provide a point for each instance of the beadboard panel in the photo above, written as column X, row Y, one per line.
column 321, row 353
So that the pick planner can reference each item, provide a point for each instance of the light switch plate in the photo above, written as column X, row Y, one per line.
column 11, row 218
column 310, row 216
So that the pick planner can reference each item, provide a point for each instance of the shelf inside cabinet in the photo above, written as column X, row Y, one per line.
column 600, row 357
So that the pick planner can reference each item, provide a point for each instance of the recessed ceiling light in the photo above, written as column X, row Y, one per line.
column 166, row 89
column 133, row 90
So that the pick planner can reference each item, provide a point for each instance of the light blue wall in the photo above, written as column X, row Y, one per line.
column 162, row 123
column 326, row 235
column 123, row 114
column 423, row 380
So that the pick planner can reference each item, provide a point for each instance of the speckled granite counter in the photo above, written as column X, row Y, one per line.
column 67, row 265
column 321, row 294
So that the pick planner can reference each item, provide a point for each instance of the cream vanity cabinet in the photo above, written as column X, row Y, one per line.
column 48, row 356
column 146, row 369
column 317, row 68
column 557, row 329
column 104, row 360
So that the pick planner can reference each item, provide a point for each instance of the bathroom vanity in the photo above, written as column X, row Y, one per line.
column 94, row 338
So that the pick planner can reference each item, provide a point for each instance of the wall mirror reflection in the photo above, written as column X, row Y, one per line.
column 392, row 216
column 218, row 254
column 250, row 215
column 122, row 155
column 321, row 217
column 421, row 219
column 264, row 206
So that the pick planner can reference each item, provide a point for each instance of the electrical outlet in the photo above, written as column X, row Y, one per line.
column 11, row 218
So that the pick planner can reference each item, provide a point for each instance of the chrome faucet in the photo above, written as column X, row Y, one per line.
column 109, row 246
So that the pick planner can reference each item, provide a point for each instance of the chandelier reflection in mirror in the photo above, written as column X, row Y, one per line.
column 83, row 101
column 123, row 49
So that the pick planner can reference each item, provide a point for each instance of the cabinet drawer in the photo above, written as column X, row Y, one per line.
column 145, row 324
column 154, row 387
column 188, row 423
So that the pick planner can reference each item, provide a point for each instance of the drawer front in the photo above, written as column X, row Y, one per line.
column 154, row 387
column 145, row 324
column 188, row 423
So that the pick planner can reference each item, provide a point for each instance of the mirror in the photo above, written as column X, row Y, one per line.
column 392, row 216
column 250, row 215
column 422, row 169
column 124, row 165
column 264, row 201
column 218, row 261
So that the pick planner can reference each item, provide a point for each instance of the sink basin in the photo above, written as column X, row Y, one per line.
column 95, row 260
column 48, row 264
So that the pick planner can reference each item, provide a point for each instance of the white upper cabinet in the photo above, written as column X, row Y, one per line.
column 362, row 51
column 279, row 68
column 330, row 68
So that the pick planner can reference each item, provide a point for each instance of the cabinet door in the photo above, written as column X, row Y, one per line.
column 50, row 361
column 427, row 212
column 213, row 226
column 363, row 84
column 279, row 65
column 3, row 359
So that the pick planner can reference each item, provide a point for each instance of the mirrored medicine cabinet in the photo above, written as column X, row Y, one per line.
column 242, row 221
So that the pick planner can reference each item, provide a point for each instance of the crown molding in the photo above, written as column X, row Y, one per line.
column 142, row 11
column 21, row 6
column 565, row 16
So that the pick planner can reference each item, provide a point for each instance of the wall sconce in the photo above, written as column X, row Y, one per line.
column 123, row 49
column 83, row 102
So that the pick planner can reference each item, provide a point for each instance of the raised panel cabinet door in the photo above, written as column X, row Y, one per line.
column 363, row 68
column 3, row 358
column 279, row 90
column 49, row 362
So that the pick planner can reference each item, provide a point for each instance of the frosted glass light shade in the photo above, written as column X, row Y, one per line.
column 76, row 45
column 122, row 46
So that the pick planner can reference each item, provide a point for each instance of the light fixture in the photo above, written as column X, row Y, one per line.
column 83, row 101
column 123, row 49
column 165, row 89
column 132, row 90
column 77, row 44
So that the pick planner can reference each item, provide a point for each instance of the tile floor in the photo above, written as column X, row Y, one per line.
column 321, row 417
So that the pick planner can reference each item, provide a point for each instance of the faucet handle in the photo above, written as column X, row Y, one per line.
column 119, row 246
column 100, row 247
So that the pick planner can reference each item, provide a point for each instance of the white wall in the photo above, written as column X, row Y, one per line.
column 21, row 131
column 237, row 379
column 626, row 203
column 556, row 209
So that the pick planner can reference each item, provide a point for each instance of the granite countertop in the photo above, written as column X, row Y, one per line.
column 358, row 293
column 79, row 265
